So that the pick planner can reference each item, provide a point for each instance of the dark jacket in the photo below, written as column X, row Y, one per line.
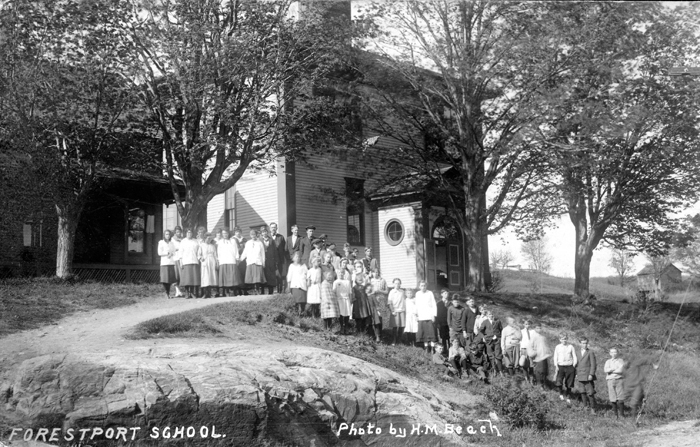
column 586, row 366
column 291, row 249
column 471, row 319
column 457, row 318
column 441, row 318
column 282, row 255
column 305, row 248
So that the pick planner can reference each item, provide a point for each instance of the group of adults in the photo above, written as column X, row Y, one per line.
column 226, row 263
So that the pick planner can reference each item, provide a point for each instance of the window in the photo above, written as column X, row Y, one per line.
column 393, row 232
column 32, row 233
column 445, row 228
column 230, row 208
column 355, row 199
column 137, row 230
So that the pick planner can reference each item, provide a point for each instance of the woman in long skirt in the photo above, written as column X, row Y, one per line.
column 209, row 266
column 191, row 253
column 271, row 261
column 313, row 293
column 343, row 292
column 229, row 276
column 329, row 302
column 167, row 265
column 296, row 280
column 254, row 255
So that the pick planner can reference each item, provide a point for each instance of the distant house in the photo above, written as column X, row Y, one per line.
column 649, row 280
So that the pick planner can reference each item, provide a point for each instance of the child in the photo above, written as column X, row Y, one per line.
column 510, row 345
column 614, row 369
column 397, row 308
column 313, row 281
column 426, row 310
column 538, row 352
column 634, row 379
column 526, row 341
column 411, row 318
column 480, row 317
column 458, row 358
column 343, row 292
column 359, row 276
column 210, row 265
column 375, row 317
column 329, row 302
column 360, row 306
column 381, row 293
column 565, row 367
column 297, row 281
column 491, row 330
column 441, row 319
column 477, row 362
column 585, row 375
column 456, row 321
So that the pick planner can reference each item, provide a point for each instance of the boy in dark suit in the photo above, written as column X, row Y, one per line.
column 585, row 375
column 306, row 246
column 294, row 243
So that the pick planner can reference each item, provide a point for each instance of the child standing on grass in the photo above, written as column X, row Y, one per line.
column 472, row 314
column 375, row 317
column 343, row 292
column 510, row 345
column 525, row 343
column 585, row 375
column 397, row 307
column 614, row 369
column 329, row 302
column 456, row 321
column 313, row 292
column 360, row 306
column 297, row 282
column 538, row 352
column 411, row 318
column 565, row 362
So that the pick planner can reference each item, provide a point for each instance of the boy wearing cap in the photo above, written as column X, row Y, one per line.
column 368, row 261
column 456, row 321
column 441, row 319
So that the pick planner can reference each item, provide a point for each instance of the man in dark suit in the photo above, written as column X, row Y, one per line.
column 306, row 245
column 293, row 243
column 282, row 254
column 585, row 375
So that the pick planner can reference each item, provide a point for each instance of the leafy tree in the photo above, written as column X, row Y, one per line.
column 453, row 83
column 621, row 133
column 63, row 107
column 231, row 87
column 501, row 258
column 623, row 263
column 537, row 255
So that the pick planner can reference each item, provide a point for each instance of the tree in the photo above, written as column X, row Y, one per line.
column 452, row 82
column 621, row 133
column 537, row 255
column 501, row 258
column 64, row 109
column 230, row 85
column 623, row 263
column 686, row 246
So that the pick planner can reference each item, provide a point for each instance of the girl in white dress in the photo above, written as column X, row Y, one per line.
column 210, row 265
column 411, row 317
column 343, row 291
column 313, row 294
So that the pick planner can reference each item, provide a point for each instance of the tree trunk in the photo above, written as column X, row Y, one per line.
column 474, row 240
column 585, row 244
column 194, row 215
column 67, row 226
column 485, row 245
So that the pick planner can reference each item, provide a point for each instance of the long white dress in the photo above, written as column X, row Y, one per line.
column 411, row 316
column 313, row 294
column 343, row 291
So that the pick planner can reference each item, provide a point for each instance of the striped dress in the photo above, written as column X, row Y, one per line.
column 329, row 302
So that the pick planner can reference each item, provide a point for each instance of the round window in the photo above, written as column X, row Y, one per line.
column 393, row 232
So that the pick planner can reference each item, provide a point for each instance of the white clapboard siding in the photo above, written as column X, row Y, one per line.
column 215, row 213
column 398, row 261
column 256, row 200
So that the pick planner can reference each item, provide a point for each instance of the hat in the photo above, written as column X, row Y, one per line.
column 310, row 227
column 331, row 244
column 236, row 228
column 316, row 241
column 323, row 236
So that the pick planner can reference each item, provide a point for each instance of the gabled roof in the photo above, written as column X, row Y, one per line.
column 649, row 269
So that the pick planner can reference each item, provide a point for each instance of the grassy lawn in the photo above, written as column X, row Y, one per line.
column 637, row 331
column 34, row 302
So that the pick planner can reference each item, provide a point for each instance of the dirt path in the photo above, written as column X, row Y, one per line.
column 675, row 434
column 100, row 329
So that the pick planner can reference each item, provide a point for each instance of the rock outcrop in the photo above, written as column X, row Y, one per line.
column 227, row 396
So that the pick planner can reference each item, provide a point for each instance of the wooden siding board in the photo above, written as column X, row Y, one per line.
column 256, row 200
column 399, row 261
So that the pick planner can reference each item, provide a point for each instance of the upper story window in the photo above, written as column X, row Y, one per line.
column 355, row 211
column 230, row 208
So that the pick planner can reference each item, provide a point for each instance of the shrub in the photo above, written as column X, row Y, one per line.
column 497, row 283
column 520, row 407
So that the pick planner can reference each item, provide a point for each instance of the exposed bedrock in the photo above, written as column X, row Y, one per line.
column 225, row 396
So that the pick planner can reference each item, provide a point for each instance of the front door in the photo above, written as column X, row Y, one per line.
column 454, row 265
